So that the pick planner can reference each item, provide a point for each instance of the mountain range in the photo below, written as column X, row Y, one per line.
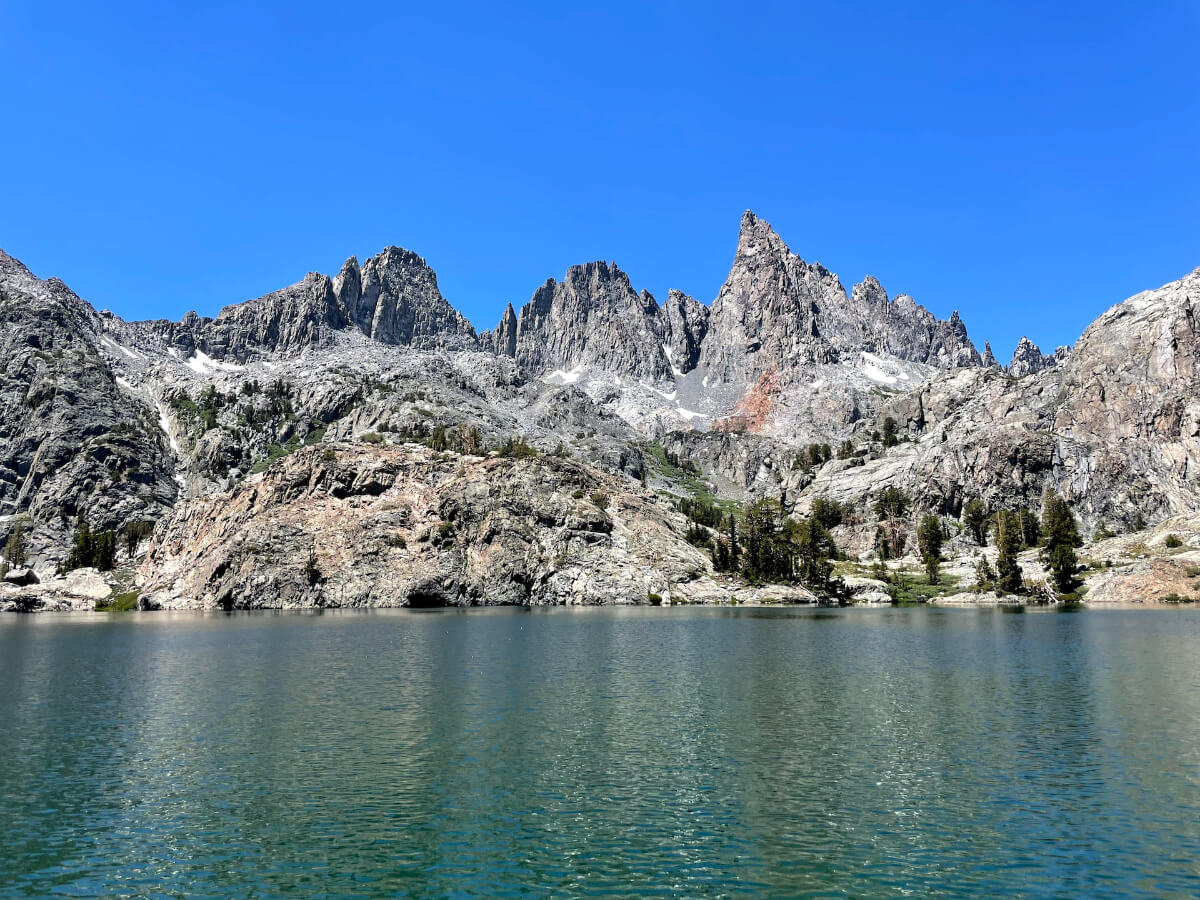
column 357, row 426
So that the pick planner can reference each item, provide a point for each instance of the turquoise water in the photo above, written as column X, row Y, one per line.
column 669, row 752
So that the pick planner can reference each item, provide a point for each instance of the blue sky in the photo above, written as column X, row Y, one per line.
column 1028, row 165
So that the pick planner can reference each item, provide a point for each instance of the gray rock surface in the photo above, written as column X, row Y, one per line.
column 398, row 525
column 1028, row 359
column 393, row 298
column 593, row 317
column 71, row 439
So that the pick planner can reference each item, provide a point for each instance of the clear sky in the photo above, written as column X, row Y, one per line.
column 1027, row 164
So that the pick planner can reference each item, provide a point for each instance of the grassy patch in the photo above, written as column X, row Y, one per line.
column 696, row 486
column 906, row 587
column 126, row 602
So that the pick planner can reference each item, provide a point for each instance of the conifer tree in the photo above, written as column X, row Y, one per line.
column 929, row 543
column 1061, row 534
column 735, row 554
column 881, row 543
column 814, row 549
column 889, row 432
column 14, row 550
column 975, row 518
column 82, row 546
column 1028, row 528
column 1008, row 543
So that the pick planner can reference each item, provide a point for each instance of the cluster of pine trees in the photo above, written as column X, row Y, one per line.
column 1056, row 533
column 14, row 550
column 98, row 549
column 764, row 544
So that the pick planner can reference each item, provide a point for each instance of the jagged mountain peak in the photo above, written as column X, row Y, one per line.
column 393, row 297
column 1028, row 358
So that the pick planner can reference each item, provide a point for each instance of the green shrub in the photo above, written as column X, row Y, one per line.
column 655, row 599
column 515, row 448
column 397, row 540
column 600, row 499
column 1173, row 541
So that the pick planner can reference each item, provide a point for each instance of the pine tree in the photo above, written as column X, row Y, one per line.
column 1061, row 533
column 985, row 577
column 975, row 518
column 14, row 550
column 768, row 555
column 136, row 532
column 735, row 553
column 891, row 503
column 881, row 543
column 104, row 550
column 889, row 432
column 1008, row 543
column 720, row 554
column 82, row 547
column 929, row 542
column 828, row 512
column 1028, row 528
column 814, row 549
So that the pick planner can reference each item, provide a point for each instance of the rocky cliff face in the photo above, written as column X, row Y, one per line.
column 1130, row 392
column 593, row 317
column 353, row 526
column 684, row 328
column 1028, row 359
column 72, row 439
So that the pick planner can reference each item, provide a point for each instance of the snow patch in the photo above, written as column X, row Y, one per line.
column 125, row 384
column 689, row 414
column 558, row 376
column 666, row 396
column 110, row 343
column 204, row 364
column 873, row 368
column 165, row 424
column 670, row 362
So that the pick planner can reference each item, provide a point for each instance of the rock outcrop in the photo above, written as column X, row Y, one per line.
column 1028, row 358
column 350, row 526
column 684, row 327
column 593, row 317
